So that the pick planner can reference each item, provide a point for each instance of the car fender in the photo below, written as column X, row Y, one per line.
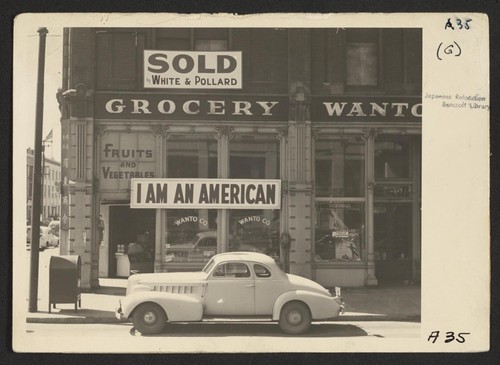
column 321, row 306
column 178, row 307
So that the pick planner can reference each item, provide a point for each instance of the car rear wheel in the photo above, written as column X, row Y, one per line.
column 149, row 318
column 295, row 318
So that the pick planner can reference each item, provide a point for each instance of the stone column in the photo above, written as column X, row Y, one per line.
column 282, row 136
column 369, row 136
column 223, row 135
column 300, row 200
column 81, row 240
column 161, row 134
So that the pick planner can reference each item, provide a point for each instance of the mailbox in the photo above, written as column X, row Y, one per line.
column 64, row 280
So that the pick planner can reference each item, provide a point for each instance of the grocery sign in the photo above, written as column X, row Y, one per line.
column 205, row 193
column 192, row 70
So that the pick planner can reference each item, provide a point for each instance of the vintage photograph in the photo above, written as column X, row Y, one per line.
column 214, row 180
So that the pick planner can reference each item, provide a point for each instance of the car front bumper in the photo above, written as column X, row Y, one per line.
column 119, row 312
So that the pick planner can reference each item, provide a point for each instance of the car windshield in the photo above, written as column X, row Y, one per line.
column 208, row 266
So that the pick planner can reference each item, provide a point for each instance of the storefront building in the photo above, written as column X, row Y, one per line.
column 304, row 144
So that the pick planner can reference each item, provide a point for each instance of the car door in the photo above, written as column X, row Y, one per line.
column 268, row 287
column 230, row 290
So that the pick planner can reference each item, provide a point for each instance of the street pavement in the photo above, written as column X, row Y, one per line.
column 391, row 303
column 219, row 337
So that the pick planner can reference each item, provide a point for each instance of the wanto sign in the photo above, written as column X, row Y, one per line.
column 205, row 193
column 192, row 70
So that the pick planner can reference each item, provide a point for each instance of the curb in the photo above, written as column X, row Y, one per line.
column 354, row 318
column 75, row 320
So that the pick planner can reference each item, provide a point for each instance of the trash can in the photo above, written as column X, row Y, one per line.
column 64, row 280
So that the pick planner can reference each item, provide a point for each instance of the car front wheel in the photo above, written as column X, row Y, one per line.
column 295, row 318
column 149, row 318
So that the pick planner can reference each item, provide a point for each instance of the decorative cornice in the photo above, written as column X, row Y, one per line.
column 282, row 133
column 315, row 132
column 99, row 130
column 370, row 133
column 160, row 130
column 224, row 132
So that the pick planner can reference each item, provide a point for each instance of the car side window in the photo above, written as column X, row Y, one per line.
column 261, row 271
column 232, row 270
column 208, row 242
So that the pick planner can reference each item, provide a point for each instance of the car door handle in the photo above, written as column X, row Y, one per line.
column 250, row 285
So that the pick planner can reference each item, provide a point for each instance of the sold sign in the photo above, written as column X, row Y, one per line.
column 192, row 70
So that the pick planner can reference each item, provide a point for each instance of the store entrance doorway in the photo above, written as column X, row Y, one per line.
column 393, row 242
column 131, row 240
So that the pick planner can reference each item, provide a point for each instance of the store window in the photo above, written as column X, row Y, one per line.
column 191, row 234
column 255, row 231
column 392, row 158
column 340, row 199
column 192, row 156
column 254, row 157
column 339, row 232
column 362, row 55
column 340, row 167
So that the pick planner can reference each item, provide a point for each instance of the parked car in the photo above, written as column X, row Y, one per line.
column 47, row 239
column 233, row 284
column 205, row 242
column 54, row 226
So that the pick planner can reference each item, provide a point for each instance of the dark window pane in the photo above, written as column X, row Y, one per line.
column 362, row 64
column 192, row 157
column 211, row 45
column 211, row 33
column 262, row 55
column 123, row 56
column 254, row 157
column 392, row 159
column 170, row 44
column 340, row 167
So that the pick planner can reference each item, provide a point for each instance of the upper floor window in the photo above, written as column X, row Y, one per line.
column 211, row 39
column 340, row 167
column 362, row 57
column 392, row 158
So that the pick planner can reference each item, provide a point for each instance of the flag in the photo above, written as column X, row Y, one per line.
column 49, row 137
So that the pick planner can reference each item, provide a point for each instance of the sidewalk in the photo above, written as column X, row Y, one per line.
column 391, row 303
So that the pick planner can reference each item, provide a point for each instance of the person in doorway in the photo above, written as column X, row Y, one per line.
column 101, row 228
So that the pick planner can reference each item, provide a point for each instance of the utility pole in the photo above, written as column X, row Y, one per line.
column 36, row 196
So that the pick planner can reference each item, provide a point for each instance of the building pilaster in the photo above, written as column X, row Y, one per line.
column 369, row 136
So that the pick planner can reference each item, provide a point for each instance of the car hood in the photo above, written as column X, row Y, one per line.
column 299, row 282
column 173, row 247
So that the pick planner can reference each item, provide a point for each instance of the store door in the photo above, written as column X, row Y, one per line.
column 131, row 233
column 393, row 242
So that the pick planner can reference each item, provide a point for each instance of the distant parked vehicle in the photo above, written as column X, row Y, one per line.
column 54, row 226
column 47, row 239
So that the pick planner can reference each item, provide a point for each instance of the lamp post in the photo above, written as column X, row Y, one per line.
column 36, row 196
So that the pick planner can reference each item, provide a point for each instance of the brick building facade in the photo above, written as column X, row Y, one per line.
column 333, row 114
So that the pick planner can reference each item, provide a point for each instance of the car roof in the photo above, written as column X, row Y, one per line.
column 207, row 234
column 244, row 256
